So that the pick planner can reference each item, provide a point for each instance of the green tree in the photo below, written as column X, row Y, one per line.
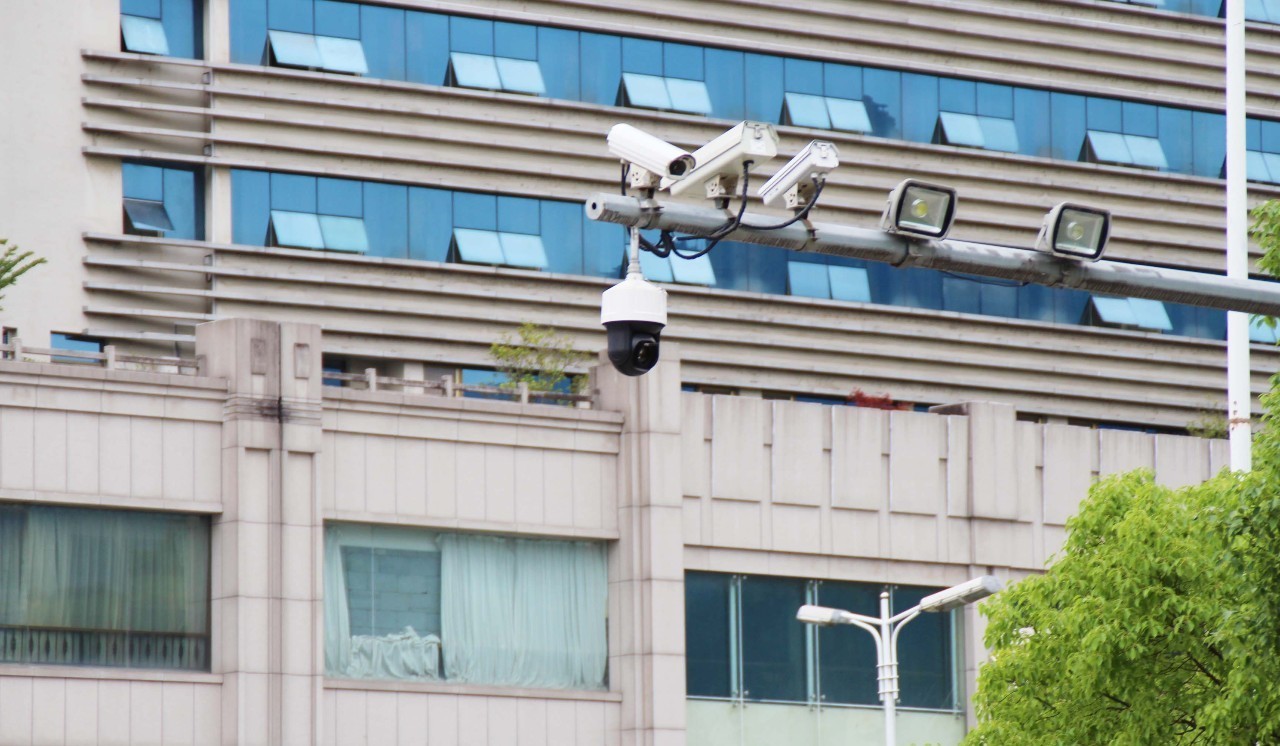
column 538, row 356
column 15, row 263
column 1159, row 622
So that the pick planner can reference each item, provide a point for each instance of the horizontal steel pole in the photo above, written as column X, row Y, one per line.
column 983, row 260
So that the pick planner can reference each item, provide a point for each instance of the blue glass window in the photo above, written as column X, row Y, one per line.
column 308, row 51
column 689, row 96
column 823, row 112
column 971, row 130
column 959, row 129
column 645, row 91
column 1266, row 11
column 1138, row 313
column 1125, row 150
column 161, row 27
column 474, row 71
column 849, row 284
column 521, row 76
column 144, row 217
column 677, row 269
column 667, row 94
column 496, row 73
column 144, row 35
column 814, row 280
column 300, row 230
column 1261, row 332
column 499, row 248
column 523, row 250
column 162, row 201
column 342, row 233
column 808, row 279
column 75, row 343
column 342, row 55
column 848, row 115
column 290, row 49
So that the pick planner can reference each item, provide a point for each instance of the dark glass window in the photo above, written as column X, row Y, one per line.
column 391, row 589
column 773, row 642
column 91, row 587
column 925, row 667
column 745, row 627
column 847, row 655
column 706, row 620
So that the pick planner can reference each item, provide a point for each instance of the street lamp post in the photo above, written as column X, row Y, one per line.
column 885, row 629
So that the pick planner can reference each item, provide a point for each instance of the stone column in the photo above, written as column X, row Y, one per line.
column 268, row 542
column 646, row 590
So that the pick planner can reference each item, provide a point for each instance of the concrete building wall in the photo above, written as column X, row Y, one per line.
column 671, row 481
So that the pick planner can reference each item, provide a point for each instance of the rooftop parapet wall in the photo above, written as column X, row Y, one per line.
column 965, row 485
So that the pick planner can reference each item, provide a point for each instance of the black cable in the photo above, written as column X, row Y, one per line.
column 984, row 281
column 725, row 229
column 818, row 184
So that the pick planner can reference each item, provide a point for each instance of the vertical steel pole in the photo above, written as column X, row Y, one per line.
column 888, row 672
column 1239, row 399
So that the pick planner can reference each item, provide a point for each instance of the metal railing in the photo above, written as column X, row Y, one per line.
column 109, row 358
column 446, row 386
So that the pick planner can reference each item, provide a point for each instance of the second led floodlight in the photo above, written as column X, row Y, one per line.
column 1076, row 231
column 920, row 209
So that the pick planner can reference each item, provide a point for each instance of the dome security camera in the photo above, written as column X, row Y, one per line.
column 634, row 312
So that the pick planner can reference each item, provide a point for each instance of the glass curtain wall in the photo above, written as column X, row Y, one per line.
column 743, row 643
column 421, row 47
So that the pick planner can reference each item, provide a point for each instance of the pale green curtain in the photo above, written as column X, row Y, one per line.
column 405, row 655
column 523, row 612
column 82, row 572
column 337, row 623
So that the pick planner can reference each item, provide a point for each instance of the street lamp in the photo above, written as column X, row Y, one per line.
column 885, row 631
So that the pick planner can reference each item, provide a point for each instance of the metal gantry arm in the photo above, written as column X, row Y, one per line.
column 1009, row 263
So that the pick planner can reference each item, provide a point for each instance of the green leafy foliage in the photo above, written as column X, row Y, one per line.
column 1159, row 623
column 538, row 356
column 15, row 263
column 1265, row 229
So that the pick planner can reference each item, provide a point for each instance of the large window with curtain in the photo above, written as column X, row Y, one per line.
column 418, row 605
column 743, row 643
column 92, row 587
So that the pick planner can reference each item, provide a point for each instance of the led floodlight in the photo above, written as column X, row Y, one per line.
column 920, row 209
column 1075, row 231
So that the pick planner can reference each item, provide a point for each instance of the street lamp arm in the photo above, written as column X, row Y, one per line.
column 902, row 616
column 898, row 623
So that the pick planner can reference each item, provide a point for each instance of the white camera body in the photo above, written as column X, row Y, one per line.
column 634, row 313
column 648, row 153
column 719, row 162
column 794, row 181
